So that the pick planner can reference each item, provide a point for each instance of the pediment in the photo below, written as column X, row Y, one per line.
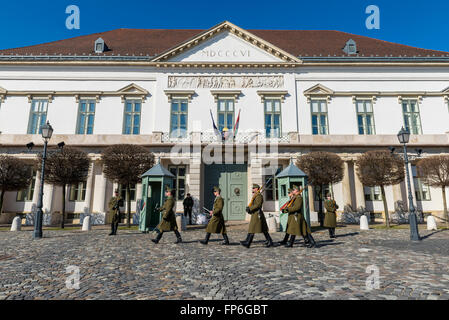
column 226, row 43
column 318, row 89
column 133, row 89
column 446, row 90
column 3, row 91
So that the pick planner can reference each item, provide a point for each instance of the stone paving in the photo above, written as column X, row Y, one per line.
column 130, row 266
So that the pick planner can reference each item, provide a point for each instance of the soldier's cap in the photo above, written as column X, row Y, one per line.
column 290, row 190
column 297, row 188
column 328, row 195
column 256, row 186
column 217, row 189
column 168, row 189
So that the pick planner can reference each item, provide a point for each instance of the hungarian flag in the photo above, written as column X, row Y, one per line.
column 237, row 124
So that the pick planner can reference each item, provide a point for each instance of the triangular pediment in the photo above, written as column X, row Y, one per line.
column 318, row 89
column 133, row 89
column 226, row 43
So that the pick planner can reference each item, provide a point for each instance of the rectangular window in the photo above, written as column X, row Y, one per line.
column 27, row 194
column 271, row 190
column 365, row 117
column 38, row 116
column 86, row 117
column 422, row 191
column 178, row 122
column 226, row 114
column 78, row 192
column 320, row 124
column 131, row 122
column 412, row 119
column 373, row 194
column 273, row 118
column 326, row 189
column 132, row 192
column 180, row 181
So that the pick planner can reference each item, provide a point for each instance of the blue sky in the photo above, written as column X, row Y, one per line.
column 422, row 24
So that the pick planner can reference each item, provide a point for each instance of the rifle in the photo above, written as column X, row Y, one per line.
column 260, row 190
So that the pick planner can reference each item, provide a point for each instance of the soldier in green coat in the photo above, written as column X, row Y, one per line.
column 168, row 222
column 285, row 209
column 258, row 223
column 305, row 230
column 330, row 221
column 115, row 204
column 217, row 223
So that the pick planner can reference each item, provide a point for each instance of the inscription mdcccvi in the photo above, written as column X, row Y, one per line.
column 225, row 82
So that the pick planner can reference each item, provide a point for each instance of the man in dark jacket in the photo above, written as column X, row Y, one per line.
column 188, row 206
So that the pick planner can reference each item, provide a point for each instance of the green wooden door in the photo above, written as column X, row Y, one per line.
column 232, row 180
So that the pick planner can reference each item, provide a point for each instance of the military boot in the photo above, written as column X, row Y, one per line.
column 178, row 237
column 159, row 237
column 112, row 230
column 250, row 240
column 206, row 241
column 246, row 240
column 333, row 233
column 312, row 243
column 291, row 242
column 226, row 240
column 269, row 240
column 330, row 233
column 285, row 241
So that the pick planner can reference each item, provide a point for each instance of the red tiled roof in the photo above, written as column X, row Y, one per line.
column 153, row 42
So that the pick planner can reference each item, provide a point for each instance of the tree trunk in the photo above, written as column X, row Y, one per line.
column 2, row 195
column 63, row 207
column 320, row 207
column 384, row 200
column 446, row 214
column 128, row 203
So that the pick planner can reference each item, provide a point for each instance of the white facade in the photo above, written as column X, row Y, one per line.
column 213, row 69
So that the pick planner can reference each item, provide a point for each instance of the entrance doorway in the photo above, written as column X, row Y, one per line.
column 233, row 181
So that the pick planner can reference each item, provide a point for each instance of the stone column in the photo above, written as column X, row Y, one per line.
column 100, row 188
column 311, row 199
column 346, row 186
column 89, row 190
column 359, row 192
column 37, row 187
column 48, row 198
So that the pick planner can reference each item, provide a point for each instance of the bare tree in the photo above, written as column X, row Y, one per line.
column 125, row 164
column 15, row 175
column 65, row 168
column 435, row 172
column 380, row 168
column 323, row 168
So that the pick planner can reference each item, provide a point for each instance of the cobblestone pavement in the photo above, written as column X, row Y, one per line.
column 130, row 266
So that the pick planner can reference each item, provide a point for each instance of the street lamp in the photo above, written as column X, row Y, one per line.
column 47, row 132
column 404, row 138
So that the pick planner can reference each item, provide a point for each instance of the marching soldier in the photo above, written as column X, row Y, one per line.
column 168, row 222
column 258, row 222
column 217, row 223
column 297, row 207
column 115, row 204
column 284, row 210
column 330, row 221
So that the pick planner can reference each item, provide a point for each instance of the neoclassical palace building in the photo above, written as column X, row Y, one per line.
column 293, row 91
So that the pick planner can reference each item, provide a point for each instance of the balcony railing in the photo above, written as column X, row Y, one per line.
column 212, row 137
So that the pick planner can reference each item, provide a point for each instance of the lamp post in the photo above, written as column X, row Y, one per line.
column 404, row 137
column 47, row 132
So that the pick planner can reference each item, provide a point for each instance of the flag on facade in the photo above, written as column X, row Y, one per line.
column 237, row 124
column 217, row 132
